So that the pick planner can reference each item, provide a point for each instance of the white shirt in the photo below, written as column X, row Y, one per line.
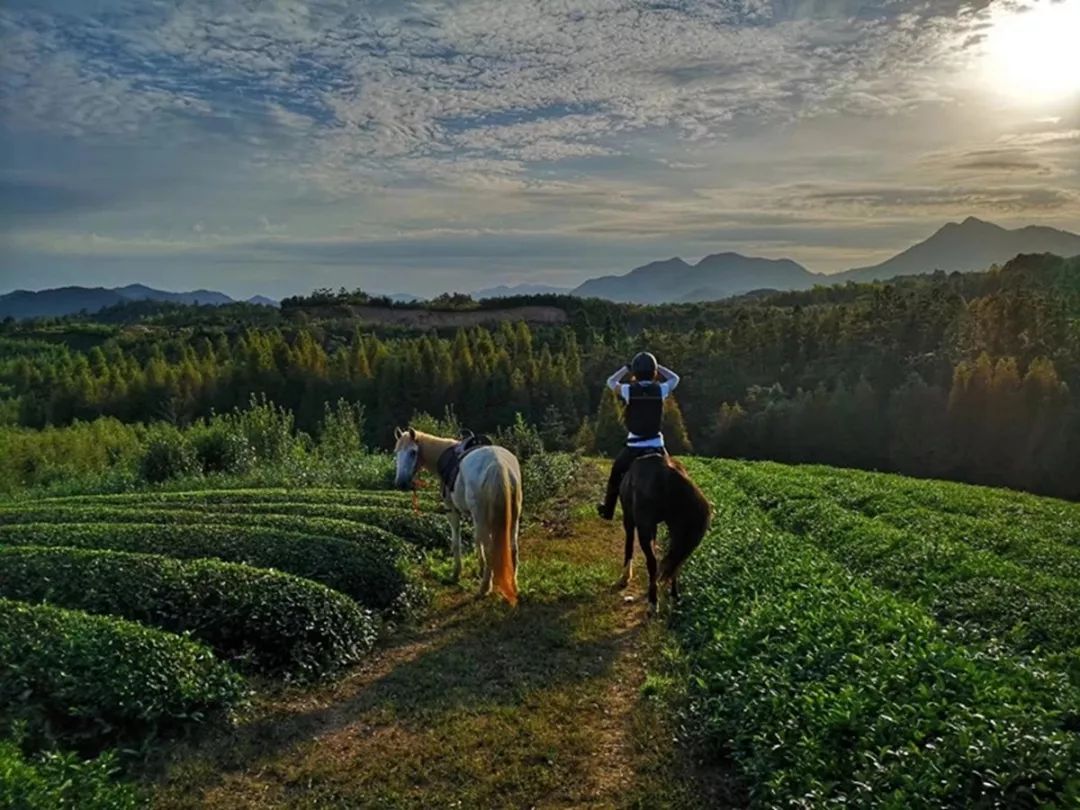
column 623, row 390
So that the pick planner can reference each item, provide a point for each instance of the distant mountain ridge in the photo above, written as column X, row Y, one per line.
column 720, row 275
column 967, row 246
column 963, row 247
column 71, row 300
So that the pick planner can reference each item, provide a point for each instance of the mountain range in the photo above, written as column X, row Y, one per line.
column 957, row 247
column 721, row 275
column 71, row 300
column 965, row 246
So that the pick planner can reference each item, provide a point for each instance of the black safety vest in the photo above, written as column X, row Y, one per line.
column 644, row 413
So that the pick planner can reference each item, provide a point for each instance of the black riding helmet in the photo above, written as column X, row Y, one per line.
column 643, row 366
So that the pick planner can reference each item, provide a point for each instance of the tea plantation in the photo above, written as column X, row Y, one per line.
column 871, row 640
column 128, row 619
column 844, row 638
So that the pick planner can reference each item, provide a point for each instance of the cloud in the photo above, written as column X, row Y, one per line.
column 229, row 133
column 1002, row 199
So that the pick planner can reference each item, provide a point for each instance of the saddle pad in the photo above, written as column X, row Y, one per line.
column 450, row 461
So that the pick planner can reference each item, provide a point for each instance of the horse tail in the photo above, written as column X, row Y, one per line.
column 685, row 532
column 501, row 523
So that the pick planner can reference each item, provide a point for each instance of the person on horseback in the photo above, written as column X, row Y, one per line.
column 644, row 396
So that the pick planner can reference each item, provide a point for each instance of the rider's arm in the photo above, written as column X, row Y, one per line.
column 613, row 380
column 671, row 379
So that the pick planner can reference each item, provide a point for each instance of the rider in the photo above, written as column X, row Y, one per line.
column 644, row 397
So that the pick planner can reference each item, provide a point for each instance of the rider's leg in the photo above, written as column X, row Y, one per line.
column 619, row 467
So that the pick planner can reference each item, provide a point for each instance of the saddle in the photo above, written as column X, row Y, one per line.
column 651, row 452
column 450, row 461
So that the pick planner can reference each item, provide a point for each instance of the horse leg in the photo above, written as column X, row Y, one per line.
column 455, row 539
column 514, row 542
column 646, row 536
column 483, row 543
column 628, row 556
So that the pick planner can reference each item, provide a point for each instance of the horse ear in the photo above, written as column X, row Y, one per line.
column 412, row 434
column 398, row 432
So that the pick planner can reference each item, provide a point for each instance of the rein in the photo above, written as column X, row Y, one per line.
column 417, row 485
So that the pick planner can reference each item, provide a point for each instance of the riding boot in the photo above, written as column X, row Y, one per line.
column 606, row 510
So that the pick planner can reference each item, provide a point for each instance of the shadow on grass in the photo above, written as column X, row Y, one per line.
column 481, row 657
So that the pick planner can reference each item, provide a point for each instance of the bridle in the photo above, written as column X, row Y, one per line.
column 415, row 479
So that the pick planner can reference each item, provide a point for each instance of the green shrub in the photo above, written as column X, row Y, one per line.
column 55, row 781
column 448, row 427
column 167, row 455
column 372, row 576
column 268, row 429
column 521, row 439
column 266, row 620
column 220, row 448
column 85, row 680
column 341, row 433
column 548, row 475
column 83, row 451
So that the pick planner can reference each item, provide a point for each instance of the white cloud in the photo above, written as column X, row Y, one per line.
column 599, row 120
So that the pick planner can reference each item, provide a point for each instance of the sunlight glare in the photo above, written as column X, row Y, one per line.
column 1034, row 56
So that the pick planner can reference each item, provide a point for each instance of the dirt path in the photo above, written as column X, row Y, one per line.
column 482, row 706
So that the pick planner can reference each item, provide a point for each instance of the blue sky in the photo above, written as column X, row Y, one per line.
column 275, row 147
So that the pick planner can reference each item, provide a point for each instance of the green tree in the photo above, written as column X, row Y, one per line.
column 609, row 432
column 676, row 437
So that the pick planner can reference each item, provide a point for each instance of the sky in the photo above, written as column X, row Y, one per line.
column 278, row 146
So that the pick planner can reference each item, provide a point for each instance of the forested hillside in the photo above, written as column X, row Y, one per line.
column 972, row 377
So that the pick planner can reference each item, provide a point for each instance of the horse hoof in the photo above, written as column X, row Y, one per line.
column 621, row 584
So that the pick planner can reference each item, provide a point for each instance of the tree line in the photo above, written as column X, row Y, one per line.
column 972, row 377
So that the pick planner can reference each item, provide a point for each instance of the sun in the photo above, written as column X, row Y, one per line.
column 1033, row 56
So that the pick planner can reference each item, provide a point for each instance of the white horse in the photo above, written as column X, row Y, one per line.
column 488, row 487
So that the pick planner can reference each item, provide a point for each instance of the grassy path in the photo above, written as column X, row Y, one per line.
column 481, row 706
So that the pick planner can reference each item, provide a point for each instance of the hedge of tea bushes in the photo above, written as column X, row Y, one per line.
column 87, row 681
column 959, row 578
column 54, row 780
column 824, row 688
column 371, row 575
column 260, row 620
column 331, row 495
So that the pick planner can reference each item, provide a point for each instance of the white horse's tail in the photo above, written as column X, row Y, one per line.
column 501, row 524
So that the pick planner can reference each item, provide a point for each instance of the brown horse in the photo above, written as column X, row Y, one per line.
column 656, row 490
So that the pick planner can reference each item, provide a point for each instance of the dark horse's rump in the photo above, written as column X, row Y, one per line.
column 656, row 490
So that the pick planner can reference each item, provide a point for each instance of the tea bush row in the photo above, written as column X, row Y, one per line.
column 372, row 576
column 52, row 781
column 958, row 581
column 88, row 681
column 263, row 620
column 825, row 689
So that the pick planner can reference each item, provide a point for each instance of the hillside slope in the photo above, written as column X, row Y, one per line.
column 721, row 275
column 967, row 246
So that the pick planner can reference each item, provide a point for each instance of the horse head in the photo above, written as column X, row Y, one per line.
column 407, row 456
